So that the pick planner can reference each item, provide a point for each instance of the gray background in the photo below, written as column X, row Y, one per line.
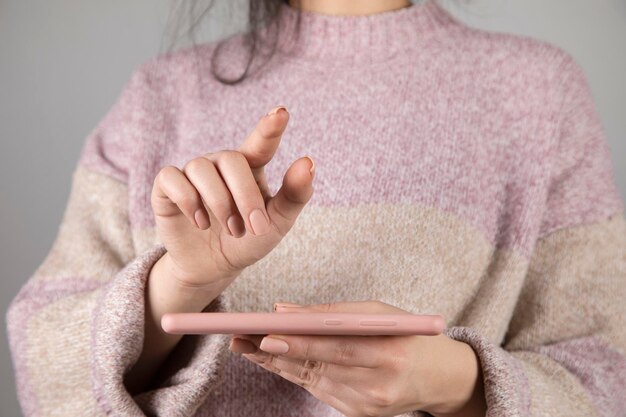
column 63, row 63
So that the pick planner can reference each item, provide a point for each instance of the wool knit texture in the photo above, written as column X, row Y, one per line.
column 458, row 171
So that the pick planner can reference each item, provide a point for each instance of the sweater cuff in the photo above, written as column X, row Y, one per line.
column 507, row 391
column 117, row 341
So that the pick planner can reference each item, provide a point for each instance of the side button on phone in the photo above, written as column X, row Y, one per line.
column 377, row 323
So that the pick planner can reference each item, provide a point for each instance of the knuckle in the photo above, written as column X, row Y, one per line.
column 263, row 153
column 382, row 397
column 396, row 363
column 196, row 165
column 344, row 353
column 306, row 352
column 269, row 363
column 306, row 377
column 230, row 155
column 267, row 360
column 314, row 366
column 165, row 173
column 187, row 201
column 398, row 358
column 222, row 207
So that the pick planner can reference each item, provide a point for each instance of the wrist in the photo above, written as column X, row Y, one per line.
column 169, row 286
column 164, row 294
column 460, row 383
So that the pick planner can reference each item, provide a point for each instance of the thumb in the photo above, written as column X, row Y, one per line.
column 285, row 206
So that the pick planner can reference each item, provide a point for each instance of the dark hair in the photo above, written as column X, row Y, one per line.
column 186, row 17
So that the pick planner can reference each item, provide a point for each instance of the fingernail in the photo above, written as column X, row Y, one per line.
column 235, row 225
column 276, row 110
column 239, row 345
column 281, row 305
column 312, row 169
column 275, row 346
column 259, row 223
column 201, row 219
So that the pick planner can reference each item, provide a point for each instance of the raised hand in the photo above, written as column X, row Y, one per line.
column 215, row 216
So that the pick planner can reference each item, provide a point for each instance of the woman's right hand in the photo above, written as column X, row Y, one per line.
column 196, row 207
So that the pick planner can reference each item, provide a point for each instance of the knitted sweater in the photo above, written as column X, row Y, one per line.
column 458, row 172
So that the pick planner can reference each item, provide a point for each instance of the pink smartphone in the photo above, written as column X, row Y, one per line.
column 303, row 323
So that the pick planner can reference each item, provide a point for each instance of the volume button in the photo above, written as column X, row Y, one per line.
column 332, row 322
column 377, row 323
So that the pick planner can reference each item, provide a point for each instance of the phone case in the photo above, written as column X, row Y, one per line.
column 302, row 323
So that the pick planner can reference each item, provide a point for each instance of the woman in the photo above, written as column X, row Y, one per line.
column 457, row 172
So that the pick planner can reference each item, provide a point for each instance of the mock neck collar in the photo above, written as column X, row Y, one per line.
column 343, row 40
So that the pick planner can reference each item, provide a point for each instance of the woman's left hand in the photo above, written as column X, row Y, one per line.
column 372, row 375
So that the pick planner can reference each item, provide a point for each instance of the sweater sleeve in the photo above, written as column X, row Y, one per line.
column 564, row 353
column 77, row 325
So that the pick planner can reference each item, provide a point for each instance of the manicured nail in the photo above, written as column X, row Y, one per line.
column 201, row 219
column 312, row 169
column 276, row 110
column 259, row 223
column 235, row 225
column 239, row 345
column 274, row 346
column 281, row 305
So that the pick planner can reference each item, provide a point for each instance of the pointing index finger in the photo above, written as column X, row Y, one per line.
column 261, row 144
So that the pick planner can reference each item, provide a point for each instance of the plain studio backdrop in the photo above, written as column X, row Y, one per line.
column 63, row 64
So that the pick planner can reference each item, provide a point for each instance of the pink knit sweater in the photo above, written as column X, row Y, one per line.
column 458, row 172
